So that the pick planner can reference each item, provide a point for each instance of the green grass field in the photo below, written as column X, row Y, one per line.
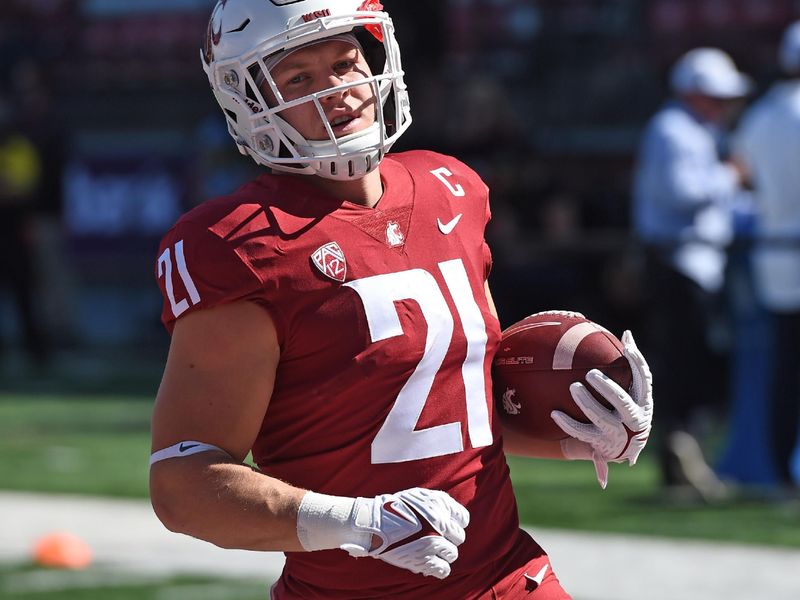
column 100, row 446
column 72, row 445
column 29, row 583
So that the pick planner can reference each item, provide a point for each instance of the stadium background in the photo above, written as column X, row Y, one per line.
column 545, row 99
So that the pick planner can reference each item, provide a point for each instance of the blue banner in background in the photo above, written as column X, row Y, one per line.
column 102, row 8
column 133, row 197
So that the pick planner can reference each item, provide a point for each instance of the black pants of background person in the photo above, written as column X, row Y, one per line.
column 17, row 274
column 688, row 372
column 785, row 392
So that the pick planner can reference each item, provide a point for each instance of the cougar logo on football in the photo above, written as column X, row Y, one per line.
column 509, row 405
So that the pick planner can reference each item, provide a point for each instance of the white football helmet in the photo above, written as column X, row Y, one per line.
column 243, row 33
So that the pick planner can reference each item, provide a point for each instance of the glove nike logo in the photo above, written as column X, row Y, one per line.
column 425, row 527
column 185, row 447
column 447, row 228
column 389, row 507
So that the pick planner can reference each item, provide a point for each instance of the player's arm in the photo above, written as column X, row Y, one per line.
column 216, row 389
column 519, row 445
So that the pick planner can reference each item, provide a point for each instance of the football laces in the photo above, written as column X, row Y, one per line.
column 560, row 313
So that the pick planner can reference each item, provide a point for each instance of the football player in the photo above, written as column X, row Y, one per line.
column 333, row 318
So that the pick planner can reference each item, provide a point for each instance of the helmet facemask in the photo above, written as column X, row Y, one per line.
column 263, row 133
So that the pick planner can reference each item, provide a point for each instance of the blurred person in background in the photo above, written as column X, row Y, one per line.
column 333, row 317
column 767, row 144
column 684, row 196
column 39, row 119
column 21, row 181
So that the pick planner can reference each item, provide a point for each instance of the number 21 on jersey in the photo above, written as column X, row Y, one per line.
column 398, row 440
column 165, row 270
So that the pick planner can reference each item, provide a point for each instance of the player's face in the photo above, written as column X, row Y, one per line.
column 319, row 67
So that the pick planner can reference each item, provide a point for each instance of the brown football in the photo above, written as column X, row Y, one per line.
column 539, row 357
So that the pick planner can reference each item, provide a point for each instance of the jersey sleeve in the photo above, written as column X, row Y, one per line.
column 196, row 269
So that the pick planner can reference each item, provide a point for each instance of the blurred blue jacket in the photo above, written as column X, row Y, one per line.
column 684, row 194
column 768, row 142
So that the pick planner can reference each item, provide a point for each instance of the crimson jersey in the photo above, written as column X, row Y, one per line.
column 386, row 342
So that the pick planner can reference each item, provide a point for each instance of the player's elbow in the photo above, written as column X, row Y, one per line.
column 168, row 503
column 167, row 514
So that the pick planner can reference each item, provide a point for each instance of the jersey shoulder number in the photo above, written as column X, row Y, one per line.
column 198, row 269
column 165, row 270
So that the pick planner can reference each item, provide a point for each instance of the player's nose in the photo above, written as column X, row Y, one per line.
column 333, row 81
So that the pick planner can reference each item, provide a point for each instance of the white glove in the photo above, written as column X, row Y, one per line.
column 419, row 529
column 614, row 435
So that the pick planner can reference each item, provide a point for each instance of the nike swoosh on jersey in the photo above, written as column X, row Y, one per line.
column 539, row 577
column 447, row 228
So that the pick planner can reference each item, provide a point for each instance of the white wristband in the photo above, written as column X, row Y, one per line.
column 326, row 522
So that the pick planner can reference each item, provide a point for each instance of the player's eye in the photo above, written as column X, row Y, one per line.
column 344, row 65
column 297, row 79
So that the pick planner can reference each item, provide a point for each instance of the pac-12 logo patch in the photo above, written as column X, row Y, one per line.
column 329, row 259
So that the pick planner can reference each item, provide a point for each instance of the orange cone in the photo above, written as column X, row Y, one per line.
column 62, row 550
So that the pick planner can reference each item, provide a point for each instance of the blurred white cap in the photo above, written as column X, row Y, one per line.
column 790, row 48
column 710, row 72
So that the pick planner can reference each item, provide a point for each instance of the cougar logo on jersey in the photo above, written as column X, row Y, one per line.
column 329, row 259
column 509, row 405
column 394, row 237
